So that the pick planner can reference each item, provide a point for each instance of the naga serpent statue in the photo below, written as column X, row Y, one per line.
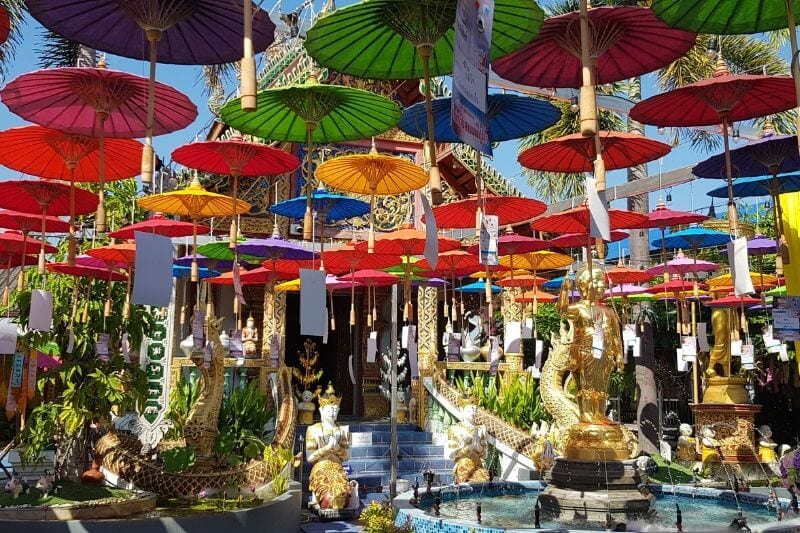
column 581, row 427
column 122, row 453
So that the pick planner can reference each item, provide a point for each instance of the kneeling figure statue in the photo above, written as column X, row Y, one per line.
column 467, row 446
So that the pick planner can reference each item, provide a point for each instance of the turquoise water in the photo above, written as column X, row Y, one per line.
column 514, row 511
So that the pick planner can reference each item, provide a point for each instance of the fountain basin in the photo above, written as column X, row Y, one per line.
column 509, row 506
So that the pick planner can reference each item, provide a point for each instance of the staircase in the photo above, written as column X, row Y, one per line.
column 371, row 465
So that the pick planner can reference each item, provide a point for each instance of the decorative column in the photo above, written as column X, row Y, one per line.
column 513, row 311
column 428, row 347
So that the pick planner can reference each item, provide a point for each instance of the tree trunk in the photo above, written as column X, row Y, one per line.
column 647, row 408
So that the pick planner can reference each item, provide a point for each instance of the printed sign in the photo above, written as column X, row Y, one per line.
column 488, row 241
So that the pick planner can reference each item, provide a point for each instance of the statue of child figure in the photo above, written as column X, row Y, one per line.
column 686, row 444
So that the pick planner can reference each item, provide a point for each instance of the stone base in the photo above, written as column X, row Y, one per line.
column 733, row 426
column 588, row 490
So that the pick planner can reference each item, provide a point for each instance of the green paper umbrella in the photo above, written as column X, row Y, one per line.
column 411, row 39
column 221, row 251
column 314, row 112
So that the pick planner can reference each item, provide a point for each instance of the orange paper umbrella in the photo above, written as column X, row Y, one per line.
column 622, row 274
column 522, row 281
column 373, row 174
column 538, row 295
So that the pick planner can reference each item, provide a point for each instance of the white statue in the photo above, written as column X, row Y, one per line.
column 327, row 447
column 467, row 445
column 306, row 408
column 249, row 338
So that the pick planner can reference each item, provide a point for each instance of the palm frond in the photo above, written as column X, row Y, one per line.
column 55, row 51
column 16, row 14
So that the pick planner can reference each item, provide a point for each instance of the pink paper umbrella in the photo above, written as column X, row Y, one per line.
column 682, row 265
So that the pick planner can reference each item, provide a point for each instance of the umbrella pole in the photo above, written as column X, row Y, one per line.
column 72, row 245
column 307, row 221
column 333, row 314
column 153, row 36
column 21, row 275
column 783, row 251
column 371, row 236
column 248, row 66
column 794, row 66
column 761, row 278
column 235, row 200
column 8, row 282
column 478, row 189
column 353, row 302
column 733, row 223
column 195, row 276
column 41, row 248
column 126, row 309
column 435, row 182
column 101, row 194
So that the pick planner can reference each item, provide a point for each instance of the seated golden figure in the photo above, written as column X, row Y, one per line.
column 467, row 446
column 327, row 446
column 686, row 444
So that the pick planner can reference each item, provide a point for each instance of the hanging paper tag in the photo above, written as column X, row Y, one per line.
column 702, row 337
column 237, row 285
column 512, row 337
column 689, row 347
column 783, row 354
column 599, row 225
column 198, row 326
column 372, row 346
column 539, row 353
column 527, row 329
column 209, row 353
column 41, row 311
column 628, row 332
column 681, row 363
column 748, row 356
column 404, row 338
column 736, row 348
column 101, row 346
column 412, row 351
column 535, row 372
column 274, row 349
column 17, row 370
column 598, row 340
column 32, row 375
column 637, row 347
column 488, row 240
column 125, row 348
column 236, row 344
column 771, row 343
column 71, row 341
column 494, row 342
column 431, row 251
column 740, row 267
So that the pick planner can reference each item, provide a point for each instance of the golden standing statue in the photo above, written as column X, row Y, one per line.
column 467, row 445
column 327, row 446
column 595, row 352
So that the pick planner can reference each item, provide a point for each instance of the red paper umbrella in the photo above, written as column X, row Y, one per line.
column 257, row 276
column 9, row 260
column 451, row 261
column 577, row 220
column 663, row 217
column 510, row 210
column 371, row 278
column 575, row 240
column 732, row 301
column 102, row 274
column 626, row 42
column 576, row 153
column 512, row 244
column 235, row 158
column 348, row 258
column 621, row 274
column 26, row 222
column 407, row 242
column 158, row 224
column 17, row 243
column 522, row 281
column 116, row 253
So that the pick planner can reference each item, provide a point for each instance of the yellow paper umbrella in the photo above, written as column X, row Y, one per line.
column 760, row 281
column 534, row 261
column 289, row 286
column 373, row 174
column 194, row 202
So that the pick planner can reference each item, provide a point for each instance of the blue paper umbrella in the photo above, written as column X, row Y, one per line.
column 556, row 283
column 329, row 206
column 510, row 117
column 477, row 287
column 179, row 271
column 693, row 238
column 772, row 155
column 761, row 186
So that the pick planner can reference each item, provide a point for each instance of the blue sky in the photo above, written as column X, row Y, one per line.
column 186, row 79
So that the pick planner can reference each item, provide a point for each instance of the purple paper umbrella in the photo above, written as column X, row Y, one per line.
column 761, row 245
column 275, row 248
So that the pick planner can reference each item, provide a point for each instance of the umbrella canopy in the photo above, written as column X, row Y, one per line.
column 511, row 243
column 510, row 210
column 676, row 285
column 331, row 283
column 26, row 222
column 453, row 261
column 372, row 173
column 124, row 253
column 371, row 278
column 724, row 17
column 623, row 275
column 385, row 39
column 543, row 260
column 257, row 276
column 348, row 258
column 329, row 207
column 158, row 224
column 220, row 251
column 578, row 219
column 555, row 283
column 193, row 202
column 186, row 271
column 759, row 186
column 235, row 157
column 52, row 154
column 207, row 262
column 693, row 238
column 772, row 155
column 522, row 281
column 682, row 265
column 102, row 274
column 189, row 33
column 624, row 42
column 760, row 281
column 337, row 113
column 73, row 99
column 275, row 248
column 576, row 153
column 537, row 295
column 510, row 117
column 626, row 289
column 478, row 287
column 85, row 260
column 407, row 242
column 777, row 291
column 35, row 196
column 16, row 243
column 733, row 302
column 575, row 240
column 760, row 245
column 664, row 217
column 680, row 295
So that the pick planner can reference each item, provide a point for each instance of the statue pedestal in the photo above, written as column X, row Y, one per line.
column 722, row 390
column 733, row 427
column 587, row 490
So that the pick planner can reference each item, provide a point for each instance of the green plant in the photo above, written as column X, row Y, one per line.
column 517, row 401
column 244, row 419
column 380, row 518
column 181, row 401
column 277, row 459
column 178, row 459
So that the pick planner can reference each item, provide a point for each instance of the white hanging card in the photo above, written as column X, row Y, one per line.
column 512, row 337
column 125, row 348
column 71, row 341
column 702, row 337
column 325, row 333
column 681, row 363
column 372, row 346
column 209, row 353
column 431, row 252
column 783, row 354
column 41, row 314
column 771, row 343
column 637, row 347
column 313, row 311
column 494, row 359
column 539, row 353
column 198, row 326
column 689, row 347
column 740, row 267
column 748, row 356
column 101, row 346
column 535, row 372
column 599, row 226
column 404, row 338
column 736, row 348
column 628, row 332
column 413, row 351
column 153, row 282
column 237, row 285
column 8, row 337
column 487, row 245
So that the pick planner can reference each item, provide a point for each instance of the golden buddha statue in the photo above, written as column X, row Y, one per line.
column 327, row 446
column 467, row 445
column 594, row 353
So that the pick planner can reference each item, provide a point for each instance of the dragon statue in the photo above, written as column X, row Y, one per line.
column 121, row 453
